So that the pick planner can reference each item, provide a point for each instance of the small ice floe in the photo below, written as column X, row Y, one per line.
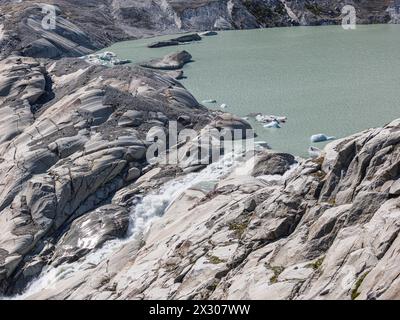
column 208, row 33
column 270, row 118
column 224, row 106
column 209, row 101
column 270, row 121
column 314, row 152
column 273, row 125
column 282, row 119
column 107, row 58
column 321, row 138
column 262, row 144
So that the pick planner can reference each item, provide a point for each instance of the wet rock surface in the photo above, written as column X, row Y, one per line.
column 68, row 156
column 77, row 187
column 306, row 229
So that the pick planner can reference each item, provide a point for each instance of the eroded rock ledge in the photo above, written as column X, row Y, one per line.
column 65, row 156
column 72, row 169
column 325, row 229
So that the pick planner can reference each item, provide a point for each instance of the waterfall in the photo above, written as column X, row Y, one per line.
column 151, row 207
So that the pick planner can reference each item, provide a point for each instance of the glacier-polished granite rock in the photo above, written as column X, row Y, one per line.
column 76, row 189
column 326, row 228
column 66, row 156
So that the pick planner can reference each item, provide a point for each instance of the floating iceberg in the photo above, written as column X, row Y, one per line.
column 209, row 101
column 270, row 118
column 107, row 58
column 321, row 138
column 273, row 125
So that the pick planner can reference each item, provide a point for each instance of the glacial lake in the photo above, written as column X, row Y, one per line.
column 324, row 79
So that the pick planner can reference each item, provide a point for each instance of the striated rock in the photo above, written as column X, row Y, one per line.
column 262, row 238
column 84, row 213
column 131, row 118
column 58, row 167
column 90, row 232
column 222, row 24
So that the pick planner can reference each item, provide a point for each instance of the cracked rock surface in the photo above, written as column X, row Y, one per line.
column 63, row 159
column 77, row 191
column 311, row 229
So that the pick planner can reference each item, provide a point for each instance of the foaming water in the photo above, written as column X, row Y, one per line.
column 151, row 207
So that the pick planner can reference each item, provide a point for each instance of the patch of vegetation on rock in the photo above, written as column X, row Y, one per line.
column 277, row 270
column 239, row 227
column 316, row 265
column 215, row 260
column 355, row 293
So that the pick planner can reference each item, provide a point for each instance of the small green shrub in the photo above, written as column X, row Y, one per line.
column 238, row 227
column 277, row 270
column 355, row 293
column 215, row 260
column 316, row 265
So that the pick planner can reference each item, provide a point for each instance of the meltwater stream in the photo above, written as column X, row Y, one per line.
column 152, row 206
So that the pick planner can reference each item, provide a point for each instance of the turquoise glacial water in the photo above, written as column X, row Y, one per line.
column 324, row 79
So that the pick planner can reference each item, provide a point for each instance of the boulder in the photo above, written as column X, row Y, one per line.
column 271, row 163
column 188, row 38
column 90, row 232
column 167, row 43
column 172, row 61
column 237, row 127
column 131, row 118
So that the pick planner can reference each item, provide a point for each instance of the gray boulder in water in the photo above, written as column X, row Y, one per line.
column 172, row 61
column 188, row 38
column 160, row 44
column 314, row 152
column 271, row 163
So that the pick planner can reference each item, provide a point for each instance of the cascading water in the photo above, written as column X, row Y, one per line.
column 142, row 215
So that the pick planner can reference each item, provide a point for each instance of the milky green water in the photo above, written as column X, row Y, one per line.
column 324, row 79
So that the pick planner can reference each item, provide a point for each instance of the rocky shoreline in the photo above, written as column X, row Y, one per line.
column 74, row 136
column 77, row 32
column 77, row 189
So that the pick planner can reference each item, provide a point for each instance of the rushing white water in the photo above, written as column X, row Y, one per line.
column 143, row 214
